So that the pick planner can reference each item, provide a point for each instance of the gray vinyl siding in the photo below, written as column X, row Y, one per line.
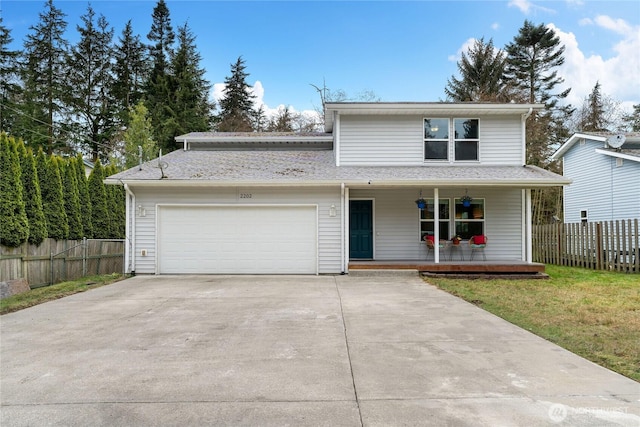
column 398, row 140
column 329, row 239
column 501, row 141
column 397, row 222
column 606, row 191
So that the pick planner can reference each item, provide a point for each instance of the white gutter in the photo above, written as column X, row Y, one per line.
column 618, row 155
column 130, row 229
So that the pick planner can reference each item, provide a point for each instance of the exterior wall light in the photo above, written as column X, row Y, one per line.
column 332, row 211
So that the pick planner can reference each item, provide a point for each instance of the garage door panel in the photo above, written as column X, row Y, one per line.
column 237, row 239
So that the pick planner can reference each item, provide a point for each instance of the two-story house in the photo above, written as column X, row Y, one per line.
column 288, row 203
column 605, row 173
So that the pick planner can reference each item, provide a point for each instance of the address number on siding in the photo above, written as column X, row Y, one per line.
column 246, row 195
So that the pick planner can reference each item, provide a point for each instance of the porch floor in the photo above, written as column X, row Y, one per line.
column 452, row 267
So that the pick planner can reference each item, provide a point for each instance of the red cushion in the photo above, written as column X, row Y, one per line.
column 479, row 240
column 430, row 238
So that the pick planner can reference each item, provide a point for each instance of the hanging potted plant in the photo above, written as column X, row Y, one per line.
column 466, row 201
column 422, row 203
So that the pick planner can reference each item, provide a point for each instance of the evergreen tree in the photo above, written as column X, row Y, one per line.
column 531, row 68
column 237, row 104
column 117, row 208
column 632, row 120
column 44, row 75
column 159, row 97
column 83, row 195
column 72, row 199
column 481, row 70
column 192, row 107
column 139, row 134
column 131, row 71
column 91, row 78
column 259, row 120
column 283, row 122
column 52, row 197
column 14, row 228
column 99, row 203
column 9, row 87
column 31, row 195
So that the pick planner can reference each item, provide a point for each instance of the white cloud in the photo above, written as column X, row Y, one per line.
column 618, row 75
column 527, row 6
column 463, row 49
column 495, row 26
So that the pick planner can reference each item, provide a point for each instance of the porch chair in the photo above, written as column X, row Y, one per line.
column 431, row 245
column 477, row 244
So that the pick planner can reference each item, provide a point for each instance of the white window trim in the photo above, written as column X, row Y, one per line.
column 454, row 139
column 432, row 220
column 451, row 141
column 484, row 215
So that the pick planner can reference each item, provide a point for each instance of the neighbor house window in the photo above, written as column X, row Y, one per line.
column 469, row 220
column 584, row 216
column 464, row 142
column 466, row 139
column 428, row 222
column 436, row 139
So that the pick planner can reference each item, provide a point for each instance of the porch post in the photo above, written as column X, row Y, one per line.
column 528, row 225
column 345, row 226
column 436, row 225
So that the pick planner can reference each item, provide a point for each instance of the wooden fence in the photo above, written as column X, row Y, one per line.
column 606, row 245
column 54, row 261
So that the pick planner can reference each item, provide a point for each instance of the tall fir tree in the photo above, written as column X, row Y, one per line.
column 632, row 120
column 91, row 78
column 14, row 227
column 139, row 134
column 31, row 195
column 159, row 95
column 192, row 110
column 71, row 198
column 481, row 71
column 52, row 196
column 131, row 71
column 532, row 61
column 9, row 83
column 83, row 195
column 44, row 75
column 99, row 203
column 237, row 104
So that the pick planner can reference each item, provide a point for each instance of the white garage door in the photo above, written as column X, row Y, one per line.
column 237, row 239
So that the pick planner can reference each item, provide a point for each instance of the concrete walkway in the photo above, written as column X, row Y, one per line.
column 291, row 350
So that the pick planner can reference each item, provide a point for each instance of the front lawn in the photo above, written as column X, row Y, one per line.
column 595, row 314
column 49, row 293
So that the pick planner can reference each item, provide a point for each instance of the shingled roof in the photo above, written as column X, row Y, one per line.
column 317, row 167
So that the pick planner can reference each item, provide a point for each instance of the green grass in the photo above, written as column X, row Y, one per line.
column 49, row 293
column 595, row 314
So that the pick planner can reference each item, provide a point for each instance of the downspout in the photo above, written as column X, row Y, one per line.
column 184, row 145
column 436, row 225
column 342, row 228
column 525, row 116
column 130, row 229
column 336, row 136
column 528, row 226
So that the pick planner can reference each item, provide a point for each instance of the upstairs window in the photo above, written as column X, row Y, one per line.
column 436, row 139
column 466, row 139
column 459, row 136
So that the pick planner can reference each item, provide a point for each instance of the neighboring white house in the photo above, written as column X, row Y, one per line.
column 605, row 173
column 287, row 203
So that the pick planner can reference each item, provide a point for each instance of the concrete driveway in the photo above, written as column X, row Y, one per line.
column 291, row 350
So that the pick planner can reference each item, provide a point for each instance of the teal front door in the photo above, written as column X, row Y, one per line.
column 360, row 229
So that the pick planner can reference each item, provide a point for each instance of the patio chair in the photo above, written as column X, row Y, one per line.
column 431, row 245
column 477, row 244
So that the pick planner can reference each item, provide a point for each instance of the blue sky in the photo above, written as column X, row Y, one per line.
column 401, row 51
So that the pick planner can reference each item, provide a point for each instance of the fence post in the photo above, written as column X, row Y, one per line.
column 51, row 269
column 599, row 253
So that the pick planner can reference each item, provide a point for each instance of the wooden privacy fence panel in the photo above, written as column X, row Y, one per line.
column 58, row 260
column 605, row 245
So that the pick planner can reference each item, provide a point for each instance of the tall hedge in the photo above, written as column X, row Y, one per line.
column 14, row 228
column 52, row 197
column 117, row 200
column 83, row 194
column 71, row 199
column 99, row 203
column 31, row 195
